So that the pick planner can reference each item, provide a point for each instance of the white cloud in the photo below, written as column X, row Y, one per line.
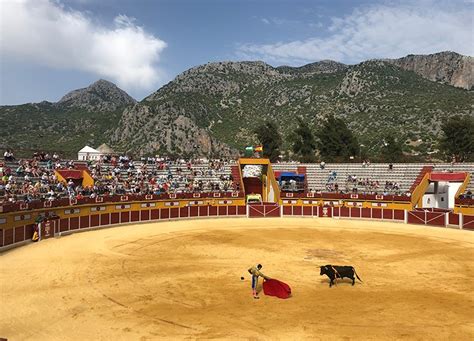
column 378, row 31
column 47, row 33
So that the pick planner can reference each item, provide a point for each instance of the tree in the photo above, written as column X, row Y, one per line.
column 303, row 142
column 392, row 150
column 270, row 139
column 336, row 142
column 458, row 138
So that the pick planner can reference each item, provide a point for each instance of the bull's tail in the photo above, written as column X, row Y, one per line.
column 355, row 273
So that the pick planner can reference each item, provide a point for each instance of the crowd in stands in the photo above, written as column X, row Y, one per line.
column 121, row 175
column 363, row 186
column 35, row 178
column 28, row 180
column 32, row 179
column 371, row 186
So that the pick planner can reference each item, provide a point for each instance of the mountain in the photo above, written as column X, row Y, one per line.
column 446, row 67
column 323, row 66
column 213, row 109
column 100, row 96
column 83, row 116
column 229, row 99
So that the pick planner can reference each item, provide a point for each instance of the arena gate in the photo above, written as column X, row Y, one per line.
column 425, row 217
column 263, row 210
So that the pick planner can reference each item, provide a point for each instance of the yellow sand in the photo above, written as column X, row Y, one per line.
column 181, row 279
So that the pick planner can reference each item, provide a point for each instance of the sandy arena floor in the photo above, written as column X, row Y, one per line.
column 178, row 280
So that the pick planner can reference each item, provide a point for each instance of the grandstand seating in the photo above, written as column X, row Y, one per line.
column 404, row 174
column 179, row 176
column 208, row 176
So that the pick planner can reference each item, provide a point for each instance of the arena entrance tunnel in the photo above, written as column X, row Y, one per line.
column 181, row 279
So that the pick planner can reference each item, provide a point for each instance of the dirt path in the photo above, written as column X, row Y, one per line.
column 182, row 280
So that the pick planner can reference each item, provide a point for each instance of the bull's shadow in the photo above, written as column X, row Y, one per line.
column 339, row 281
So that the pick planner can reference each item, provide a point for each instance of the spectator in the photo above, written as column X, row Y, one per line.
column 8, row 156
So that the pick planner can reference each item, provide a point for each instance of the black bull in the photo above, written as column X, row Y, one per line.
column 336, row 271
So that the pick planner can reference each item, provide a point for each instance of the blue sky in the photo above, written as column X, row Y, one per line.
column 49, row 47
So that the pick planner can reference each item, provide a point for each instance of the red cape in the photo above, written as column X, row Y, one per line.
column 274, row 287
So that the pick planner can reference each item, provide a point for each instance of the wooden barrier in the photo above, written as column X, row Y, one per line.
column 263, row 210
column 369, row 213
column 468, row 222
column 124, row 215
column 427, row 218
column 453, row 219
column 83, row 217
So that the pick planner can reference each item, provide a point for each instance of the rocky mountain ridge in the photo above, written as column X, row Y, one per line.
column 228, row 99
column 445, row 67
column 100, row 96
column 213, row 109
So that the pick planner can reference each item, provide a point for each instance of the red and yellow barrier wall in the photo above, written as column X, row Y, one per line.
column 18, row 226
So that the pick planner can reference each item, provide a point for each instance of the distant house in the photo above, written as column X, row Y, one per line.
column 88, row 153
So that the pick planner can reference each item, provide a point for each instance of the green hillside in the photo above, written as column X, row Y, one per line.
column 214, row 108
column 375, row 98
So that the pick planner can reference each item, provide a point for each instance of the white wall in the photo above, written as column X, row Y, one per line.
column 453, row 188
column 444, row 196
column 88, row 156
column 442, row 200
column 429, row 200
